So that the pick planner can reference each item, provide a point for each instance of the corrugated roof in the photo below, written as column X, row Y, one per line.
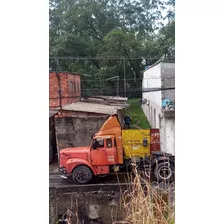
column 111, row 98
column 52, row 113
column 160, row 61
column 92, row 108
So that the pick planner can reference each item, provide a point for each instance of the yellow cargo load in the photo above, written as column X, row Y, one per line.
column 136, row 143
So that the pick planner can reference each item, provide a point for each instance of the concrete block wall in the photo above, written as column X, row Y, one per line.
column 168, row 79
column 95, row 204
column 76, row 131
column 99, row 207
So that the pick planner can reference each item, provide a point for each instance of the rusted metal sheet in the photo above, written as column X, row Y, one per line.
column 154, row 140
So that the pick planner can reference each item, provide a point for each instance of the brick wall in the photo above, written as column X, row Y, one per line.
column 70, row 89
column 75, row 86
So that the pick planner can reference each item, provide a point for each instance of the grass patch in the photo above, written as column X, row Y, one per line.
column 139, row 119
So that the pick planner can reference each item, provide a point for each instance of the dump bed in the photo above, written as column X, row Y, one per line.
column 140, row 142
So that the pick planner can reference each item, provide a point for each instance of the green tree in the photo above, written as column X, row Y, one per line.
column 106, row 29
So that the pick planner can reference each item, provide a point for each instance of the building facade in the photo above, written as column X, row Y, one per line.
column 160, row 76
column 69, row 86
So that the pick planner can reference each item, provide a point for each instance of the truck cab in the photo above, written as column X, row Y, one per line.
column 97, row 158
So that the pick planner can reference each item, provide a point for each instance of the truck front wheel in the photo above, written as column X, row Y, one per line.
column 82, row 175
column 164, row 172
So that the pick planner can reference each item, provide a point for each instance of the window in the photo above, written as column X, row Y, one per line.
column 70, row 87
column 98, row 143
column 109, row 143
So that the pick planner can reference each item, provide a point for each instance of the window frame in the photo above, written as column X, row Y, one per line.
column 93, row 142
column 111, row 142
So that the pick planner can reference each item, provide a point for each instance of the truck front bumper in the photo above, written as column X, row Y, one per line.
column 63, row 172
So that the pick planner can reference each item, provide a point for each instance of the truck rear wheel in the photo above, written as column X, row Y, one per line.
column 164, row 172
column 82, row 175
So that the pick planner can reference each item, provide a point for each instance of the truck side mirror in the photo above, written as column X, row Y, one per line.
column 93, row 146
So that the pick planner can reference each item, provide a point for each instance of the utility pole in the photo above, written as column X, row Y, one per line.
column 124, row 79
column 117, row 89
column 59, row 85
column 115, row 77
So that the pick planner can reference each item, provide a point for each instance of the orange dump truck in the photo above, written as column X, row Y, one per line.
column 115, row 150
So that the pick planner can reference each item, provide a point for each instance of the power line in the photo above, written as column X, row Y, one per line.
column 157, row 89
column 140, row 79
column 96, row 58
column 121, row 90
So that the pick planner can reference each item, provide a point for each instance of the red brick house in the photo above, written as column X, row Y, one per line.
column 70, row 88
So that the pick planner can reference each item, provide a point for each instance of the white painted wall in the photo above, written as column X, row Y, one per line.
column 167, row 135
column 152, row 79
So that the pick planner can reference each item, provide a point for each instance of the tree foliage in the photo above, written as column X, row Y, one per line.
column 100, row 34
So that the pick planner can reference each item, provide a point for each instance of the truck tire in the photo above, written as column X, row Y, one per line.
column 82, row 175
column 164, row 172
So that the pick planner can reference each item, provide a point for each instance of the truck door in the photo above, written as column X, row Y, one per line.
column 98, row 152
column 111, row 151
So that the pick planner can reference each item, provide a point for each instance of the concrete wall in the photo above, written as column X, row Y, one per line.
column 98, row 207
column 76, row 131
column 95, row 204
column 152, row 110
column 162, row 74
column 168, row 79
column 167, row 133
